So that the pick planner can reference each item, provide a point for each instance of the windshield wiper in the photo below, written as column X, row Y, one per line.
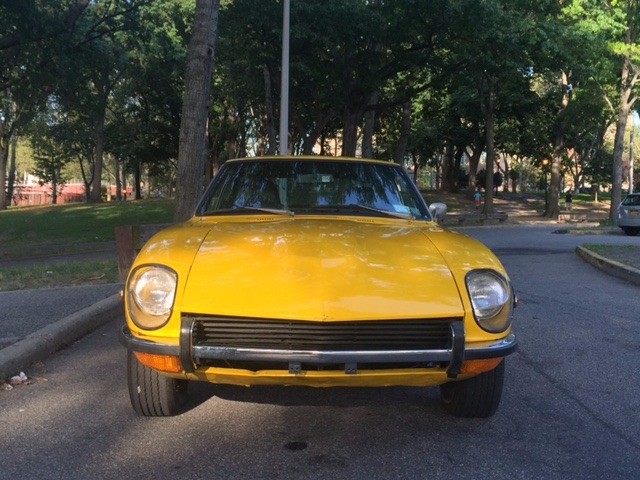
column 249, row 210
column 361, row 208
column 387, row 213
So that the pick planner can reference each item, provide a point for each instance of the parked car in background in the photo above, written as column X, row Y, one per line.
column 629, row 214
column 321, row 272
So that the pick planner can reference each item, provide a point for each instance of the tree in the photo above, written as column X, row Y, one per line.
column 144, row 110
column 98, row 62
column 39, row 41
column 627, row 49
column 613, row 29
column 49, row 159
column 588, row 117
column 440, row 83
column 191, row 153
column 497, row 57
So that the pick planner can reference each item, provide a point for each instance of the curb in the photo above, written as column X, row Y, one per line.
column 53, row 337
column 616, row 269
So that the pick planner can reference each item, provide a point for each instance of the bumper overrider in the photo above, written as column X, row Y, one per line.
column 452, row 357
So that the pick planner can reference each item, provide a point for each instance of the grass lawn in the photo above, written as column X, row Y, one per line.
column 64, row 275
column 73, row 228
column 21, row 228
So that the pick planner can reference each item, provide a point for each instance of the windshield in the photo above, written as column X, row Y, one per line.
column 632, row 200
column 313, row 187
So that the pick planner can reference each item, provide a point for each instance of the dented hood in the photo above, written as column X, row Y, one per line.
column 320, row 269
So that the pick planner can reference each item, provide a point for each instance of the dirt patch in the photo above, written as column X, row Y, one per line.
column 521, row 208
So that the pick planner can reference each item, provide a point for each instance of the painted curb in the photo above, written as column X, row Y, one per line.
column 39, row 345
column 616, row 269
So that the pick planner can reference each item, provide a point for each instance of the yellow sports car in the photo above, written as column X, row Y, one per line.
column 322, row 272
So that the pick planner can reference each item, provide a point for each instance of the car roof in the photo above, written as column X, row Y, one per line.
column 311, row 158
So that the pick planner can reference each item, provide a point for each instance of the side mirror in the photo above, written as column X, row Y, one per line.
column 438, row 210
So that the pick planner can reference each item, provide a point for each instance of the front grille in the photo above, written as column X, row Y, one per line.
column 318, row 336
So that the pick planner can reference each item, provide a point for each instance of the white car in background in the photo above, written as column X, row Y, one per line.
column 629, row 214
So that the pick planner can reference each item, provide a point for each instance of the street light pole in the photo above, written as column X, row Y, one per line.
column 633, row 129
column 284, row 82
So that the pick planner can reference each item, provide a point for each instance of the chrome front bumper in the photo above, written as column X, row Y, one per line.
column 453, row 357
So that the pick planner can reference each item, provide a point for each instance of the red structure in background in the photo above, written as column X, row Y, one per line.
column 35, row 194
column 126, row 192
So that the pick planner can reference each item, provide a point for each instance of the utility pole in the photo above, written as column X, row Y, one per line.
column 284, row 82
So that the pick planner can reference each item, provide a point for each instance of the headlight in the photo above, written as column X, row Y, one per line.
column 151, row 290
column 491, row 299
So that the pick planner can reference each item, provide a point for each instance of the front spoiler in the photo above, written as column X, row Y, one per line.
column 453, row 357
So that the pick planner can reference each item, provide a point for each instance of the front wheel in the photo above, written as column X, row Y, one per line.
column 153, row 394
column 476, row 397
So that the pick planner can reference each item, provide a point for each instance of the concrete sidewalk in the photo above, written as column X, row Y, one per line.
column 36, row 323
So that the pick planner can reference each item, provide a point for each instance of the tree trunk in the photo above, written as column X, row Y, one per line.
column 350, row 133
column 618, row 149
column 4, row 150
column 628, row 80
column 447, row 168
column 323, row 141
column 116, row 170
column 308, row 142
column 137, row 180
column 474, row 159
column 488, row 186
column 5, row 137
column 85, row 180
column 124, row 178
column 457, row 167
column 272, row 139
column 369, row 126
column 54, row 185
column 232, row 142
column 553, row 200
column 405, row 132
column 96, row 184
column 310, row 137
column 507, row 184
column 195, row 106
column 489, row 122
column 12, row 168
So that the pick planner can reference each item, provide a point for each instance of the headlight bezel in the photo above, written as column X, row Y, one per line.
column 140, row 314
column 497, row 318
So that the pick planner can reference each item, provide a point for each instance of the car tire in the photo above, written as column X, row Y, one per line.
column 631, row 231
column 476, row 397
column 153, row 394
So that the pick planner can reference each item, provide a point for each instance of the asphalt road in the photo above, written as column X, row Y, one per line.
column 570, row 408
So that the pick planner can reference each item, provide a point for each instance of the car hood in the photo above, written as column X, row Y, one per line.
column 320, row 269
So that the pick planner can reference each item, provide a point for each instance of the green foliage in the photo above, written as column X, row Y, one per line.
column 145, row 115
column 120, row 64
column 598, row 169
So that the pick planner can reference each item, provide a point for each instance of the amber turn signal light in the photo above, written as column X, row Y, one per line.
column 480, row 366
column 163, row 363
